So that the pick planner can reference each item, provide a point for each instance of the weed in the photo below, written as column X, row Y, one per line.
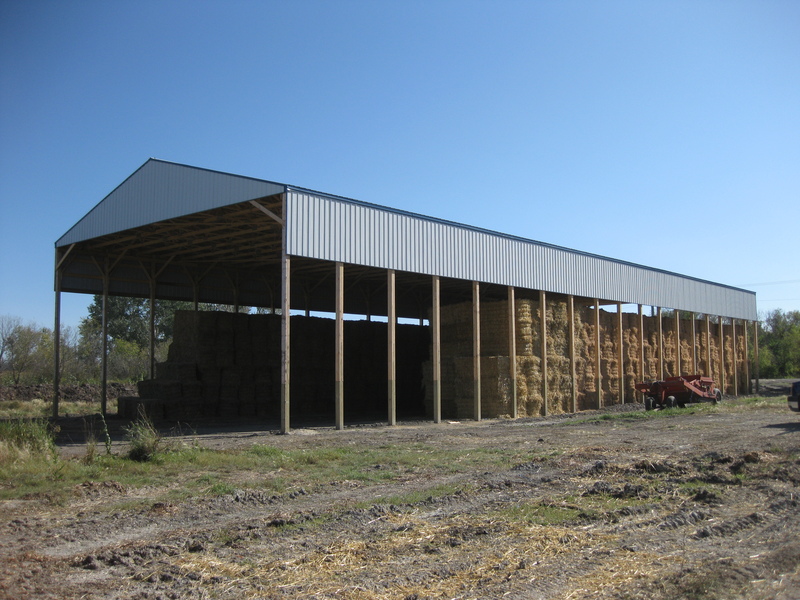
column 144, row 438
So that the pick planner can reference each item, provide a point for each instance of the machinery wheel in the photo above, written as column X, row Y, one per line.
column 648, row 403
column 670, row 402
column 717, row 396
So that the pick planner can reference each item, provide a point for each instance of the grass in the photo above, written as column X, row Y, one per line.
column 39, row 408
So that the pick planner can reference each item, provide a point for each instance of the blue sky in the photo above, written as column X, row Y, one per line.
column 662, row 133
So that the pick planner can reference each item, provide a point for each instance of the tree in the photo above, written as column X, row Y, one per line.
column 779, row 344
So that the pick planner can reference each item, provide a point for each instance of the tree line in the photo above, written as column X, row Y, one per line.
column 26, row 350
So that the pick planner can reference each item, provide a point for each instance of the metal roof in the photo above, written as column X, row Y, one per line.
column 203, row 234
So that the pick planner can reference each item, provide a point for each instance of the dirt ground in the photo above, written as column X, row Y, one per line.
column 688, row 506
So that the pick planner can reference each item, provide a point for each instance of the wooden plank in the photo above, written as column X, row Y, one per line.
column 339, row 348
column 572, row 371
column 512, row 348
column 437, row 350
column 709, row 370
column 476, row 349
column 543, row 335
column 392, row 346
column 597, row 357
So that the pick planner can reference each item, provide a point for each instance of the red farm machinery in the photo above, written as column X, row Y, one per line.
column 678, row 391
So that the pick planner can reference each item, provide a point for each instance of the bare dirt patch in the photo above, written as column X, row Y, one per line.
column 593, row 505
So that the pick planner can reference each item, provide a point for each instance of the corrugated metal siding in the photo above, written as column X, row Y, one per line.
column 336, row 229
column 161, row 190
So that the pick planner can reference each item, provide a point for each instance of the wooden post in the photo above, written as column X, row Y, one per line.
column 748, row 385
column 678, row 370
column 572, row 375
column 694, row 343
column 512, row 349
column 392, row 349
column 735, row 358
column 104, row 326
column 755, row 355
column 641, row 343
column 57, row 345
column 476, row 349
column 285, row 343
column 543, row 333
column 339, row 348
column 660, row 346
column 709, row 368
column 152, row 319
column 599, row 374
column 721, row 355
column 621, row 355
column 437, row 351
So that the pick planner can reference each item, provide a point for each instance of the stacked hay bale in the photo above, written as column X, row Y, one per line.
column 227, row 365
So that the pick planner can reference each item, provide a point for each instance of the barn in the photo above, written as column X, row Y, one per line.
column 344, row 311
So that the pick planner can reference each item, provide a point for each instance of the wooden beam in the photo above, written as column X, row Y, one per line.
column 572, row 374
column 437, row 350
column 392, row 346
column 476, row 349
column 543, row 334
column 267, row 212
column 339, row 349
column 512, row 349
column 597, row 358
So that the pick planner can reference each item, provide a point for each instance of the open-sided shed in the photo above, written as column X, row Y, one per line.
column 172, row 231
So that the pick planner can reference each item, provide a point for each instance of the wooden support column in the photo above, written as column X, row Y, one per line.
column 735, row 358
column 339, row 349
column 694, row 343
column 437, row 351
column 57, row 346
column 748, row 385
column 285, row 343
column 641, row 343
column 660, row 346
column 721, row 355
column 572, row 375
column 512, row 349
column 543, row 333
column 104, row 328
column 678, row 370
column 392, row 346
column 709, row 371
column 152, row 329
column 621, row 354
column 598, row 374
column 476, row 349
column 755, row 355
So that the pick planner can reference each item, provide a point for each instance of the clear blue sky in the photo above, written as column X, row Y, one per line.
column 663, row 133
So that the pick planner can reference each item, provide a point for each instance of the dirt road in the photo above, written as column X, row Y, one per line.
column 599, row 506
